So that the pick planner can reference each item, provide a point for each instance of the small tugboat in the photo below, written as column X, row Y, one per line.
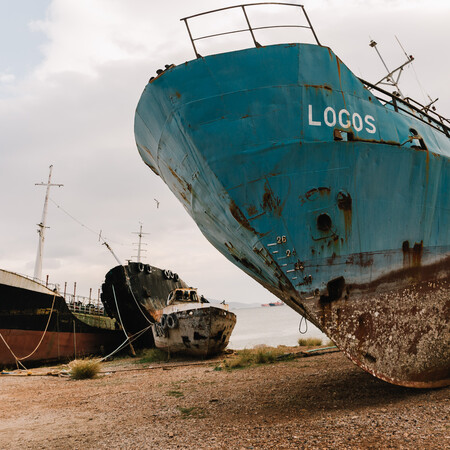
column 191, row 325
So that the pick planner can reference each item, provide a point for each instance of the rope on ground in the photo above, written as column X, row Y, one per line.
column 19, row 360
column 300, row 354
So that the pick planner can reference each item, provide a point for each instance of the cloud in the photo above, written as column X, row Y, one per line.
column 76, row 111
column 6, row 77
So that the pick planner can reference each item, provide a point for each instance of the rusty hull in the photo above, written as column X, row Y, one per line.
column 314, row 187
column 385, row 326
column 202, row 331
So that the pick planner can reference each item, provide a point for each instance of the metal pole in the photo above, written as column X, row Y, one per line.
column 250, row 27
column 310, row 26
column 192, row 40
column 41, row 225
column 74, row 340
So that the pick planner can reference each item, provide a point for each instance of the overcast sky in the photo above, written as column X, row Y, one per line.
column 71, row 74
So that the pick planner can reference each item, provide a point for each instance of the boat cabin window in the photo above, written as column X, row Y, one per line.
column 182, row 295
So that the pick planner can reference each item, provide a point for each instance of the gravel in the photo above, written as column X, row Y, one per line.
column 320, row 402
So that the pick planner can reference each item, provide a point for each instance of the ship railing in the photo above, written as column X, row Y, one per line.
column 84, row 305
column 52, row 286
column 250, row 29
column 411, row 107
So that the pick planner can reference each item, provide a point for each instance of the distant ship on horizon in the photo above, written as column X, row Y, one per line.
column 273, row 304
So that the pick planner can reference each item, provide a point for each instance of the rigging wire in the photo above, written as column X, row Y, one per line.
column 82, row 224
column 425, row 95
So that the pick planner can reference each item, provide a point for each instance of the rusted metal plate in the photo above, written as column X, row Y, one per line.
column 202, row 331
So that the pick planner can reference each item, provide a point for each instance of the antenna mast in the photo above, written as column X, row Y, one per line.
column 389, row 78
column 42, row 227
column 140, row 234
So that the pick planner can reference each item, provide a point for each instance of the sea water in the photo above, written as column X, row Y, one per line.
column 272, row 326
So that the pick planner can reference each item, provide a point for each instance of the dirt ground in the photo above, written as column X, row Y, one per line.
column 321, row 402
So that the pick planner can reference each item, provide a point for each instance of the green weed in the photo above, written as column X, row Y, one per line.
column 151, row 355
column 193, row 411
column 176, row 394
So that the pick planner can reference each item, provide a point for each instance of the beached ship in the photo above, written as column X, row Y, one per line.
column 134, row 293
column 328, row 190
column 37, row 324
column 190, row 324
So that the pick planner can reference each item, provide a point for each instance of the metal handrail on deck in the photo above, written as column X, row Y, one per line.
column 250, row 29
column 410, row 107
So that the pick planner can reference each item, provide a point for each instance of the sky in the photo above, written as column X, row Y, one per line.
column 71, row 74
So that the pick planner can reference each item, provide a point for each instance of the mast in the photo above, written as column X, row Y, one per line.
column 42, row 227
column 389, row 78
column 140, row 244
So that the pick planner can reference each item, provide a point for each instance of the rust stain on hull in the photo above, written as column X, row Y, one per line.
column 396, row 328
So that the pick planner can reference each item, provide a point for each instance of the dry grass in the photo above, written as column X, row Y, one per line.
column 82, row 369
column 309, row 342
column 249, row 357
column 152, row 355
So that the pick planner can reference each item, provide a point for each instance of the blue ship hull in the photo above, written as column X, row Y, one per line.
column 335, row 202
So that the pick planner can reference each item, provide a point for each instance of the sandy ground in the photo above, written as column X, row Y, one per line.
column 318, row 402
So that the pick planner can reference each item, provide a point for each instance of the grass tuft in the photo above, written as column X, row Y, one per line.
column 309, row 342
column 176, row 394
column 193, row 411
column 259, row 355
column 82, row 369
column 151, row 355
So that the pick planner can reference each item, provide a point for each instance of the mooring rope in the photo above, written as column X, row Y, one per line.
column 125, row 342
column 18, row 360
column 137, row 303
column 300, row 325
column 118, row 312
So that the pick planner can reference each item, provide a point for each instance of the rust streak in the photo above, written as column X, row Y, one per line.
column 240, row 217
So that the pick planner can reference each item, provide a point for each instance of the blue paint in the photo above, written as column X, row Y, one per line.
column 334, row 201
column 240, row 122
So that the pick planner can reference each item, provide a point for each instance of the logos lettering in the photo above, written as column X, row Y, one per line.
column 344, row 118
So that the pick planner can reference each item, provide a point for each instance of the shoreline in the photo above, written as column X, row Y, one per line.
column 320, row 402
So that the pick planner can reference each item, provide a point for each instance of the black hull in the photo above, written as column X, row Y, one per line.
column 36, row 325
column 134, row 294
